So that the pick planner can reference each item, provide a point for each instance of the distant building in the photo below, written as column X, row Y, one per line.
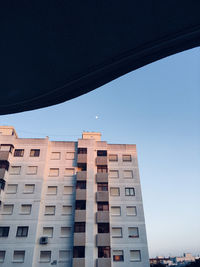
column 174, row 261
column 70, row 203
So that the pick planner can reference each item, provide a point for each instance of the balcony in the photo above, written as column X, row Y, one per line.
column 104, row 262
column 2, row 172
column 80, row 194
column 80, row 216
column 102, row 216
column 103, row 240
column 102, row 177
column 81, row 176
column 82, row 158
column 102, row 196
column 79, row 239
column 4, row 155
column 101, row 160
column 78, row 262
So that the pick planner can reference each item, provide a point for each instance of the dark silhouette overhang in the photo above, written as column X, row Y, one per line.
column 53, row 51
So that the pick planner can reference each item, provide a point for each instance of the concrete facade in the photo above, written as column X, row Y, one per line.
column 70, row 203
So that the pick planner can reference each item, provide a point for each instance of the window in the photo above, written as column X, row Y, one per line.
column 70, row 155
column 2, row 183
column 102, row 187
column 4, row 231
column 29, row 188
column 55, row 155
column 69, row 172
column 102, row 206
column 66, row 210
column 52, row 190
column 11, row 189
column 50, row 210
column 113, row 157
column 103, row 252
column 114, row 191
column 26, row 209
column 65, row 231
column 54, row 172
column 102, row 168
column 19, row 153
column 15, row 170
column 32, row 170
column 79, row 227
column 131, row 211
column 48, row 231
column 80, row 205
column 81, row 185
column 133, row 232
column 35, row 153
column 18, row 256
column 64, row 255
column 126, row 157
column 82, row 150
column 22, row 231
column 129, row 191
column 128, row 174
column 115, row 211
column 7, row 209
column 101, row 153
column 79, row 252
column 67, row 190
column 82, row 167
column 103, row 228
column 135, row 255
column 2, row 255
column 118, row 255
column 45, row 256
column 116, row 232
column 113, row 174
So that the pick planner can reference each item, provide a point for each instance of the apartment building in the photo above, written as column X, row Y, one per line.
column 70, row 203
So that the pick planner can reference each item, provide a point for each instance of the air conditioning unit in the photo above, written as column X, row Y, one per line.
column 43, row 240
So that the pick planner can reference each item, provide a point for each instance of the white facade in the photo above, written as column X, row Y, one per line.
column 43, row 195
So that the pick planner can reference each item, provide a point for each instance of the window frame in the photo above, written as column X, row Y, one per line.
column 129, row 189
column 34, row 153
column 22, row 231
column 115, row 188
column 16, row 154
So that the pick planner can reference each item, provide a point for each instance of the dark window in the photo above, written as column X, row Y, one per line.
column 35, row 153
column 82, row 166
column 113, row 157
column 79, row 252
column 4, row 231
column 102, row 187
column 126, row 157
column 80, row 204
column 2, row 184
column 103, row 228
column 118, row 256
column 79, row 227
column 103, row 252
column 129, row 191
column 102, row 206
column 4, row 164
column 22, row 231
column 81, row 185
column 102, row 153
column 82, row 150
column 102, row 168
column 19, row 153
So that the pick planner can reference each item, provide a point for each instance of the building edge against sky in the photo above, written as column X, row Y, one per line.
column 70, row 203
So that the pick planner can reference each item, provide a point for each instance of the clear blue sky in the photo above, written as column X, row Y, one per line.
column 157, row 108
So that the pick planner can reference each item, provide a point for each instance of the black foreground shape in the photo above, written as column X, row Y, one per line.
column 54, row 50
